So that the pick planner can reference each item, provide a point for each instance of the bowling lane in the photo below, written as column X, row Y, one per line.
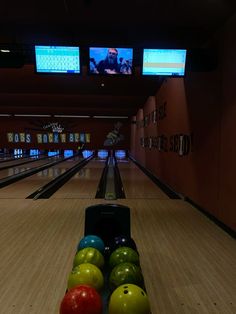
column 17, row 161
column 187, row 261
column 25, row 187
column 84, row 184
column 136, row 184
column 21, row 168
column 8, row 158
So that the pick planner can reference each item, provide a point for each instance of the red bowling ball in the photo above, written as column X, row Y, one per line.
column 81, row 299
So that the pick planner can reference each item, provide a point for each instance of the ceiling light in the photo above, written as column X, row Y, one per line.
column 5, row 50
column 5, row 115
column 110, row 117
column 32, row 115
column 69, row 116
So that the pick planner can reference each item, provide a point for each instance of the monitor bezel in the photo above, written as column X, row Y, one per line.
column 161, row 75
column 109, row 75
column 57, row 73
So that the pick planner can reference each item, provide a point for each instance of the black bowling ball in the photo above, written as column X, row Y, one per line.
column 119, row 241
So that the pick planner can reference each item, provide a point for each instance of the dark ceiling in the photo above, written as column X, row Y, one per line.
column 138, row 24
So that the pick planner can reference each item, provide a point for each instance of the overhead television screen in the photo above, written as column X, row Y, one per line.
column 57, row 59
column 168, row 62
column 34, row 152
column 110, row 61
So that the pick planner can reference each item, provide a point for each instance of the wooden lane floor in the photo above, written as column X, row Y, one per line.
column 15, row 169
column 26, row 186
column 136, row 184
column 14, row 162
column 84, row 184
column 187, row 261
column 15, row 159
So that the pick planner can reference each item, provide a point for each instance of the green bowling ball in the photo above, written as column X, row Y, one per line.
column 86, row 274
column 129, row 299
column 125, row 273
column 123, row 254
column 89, row 255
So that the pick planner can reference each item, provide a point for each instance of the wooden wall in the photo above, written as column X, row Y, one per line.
column 227, row 149
column 191, row 145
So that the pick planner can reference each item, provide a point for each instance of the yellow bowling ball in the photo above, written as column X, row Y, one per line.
column 89, row 255
column 86, row 274
column 129, row 299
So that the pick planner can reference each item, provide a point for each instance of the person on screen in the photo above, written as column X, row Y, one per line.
column 110, row 64
column 121, row 60
column 125, row 67
column 93, row 65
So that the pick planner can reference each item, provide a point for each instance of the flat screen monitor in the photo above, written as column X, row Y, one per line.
column 167, row 62
column 53, row 153
column 34, row 152
column 57, row 59
column 18, row 152
column 110, row 61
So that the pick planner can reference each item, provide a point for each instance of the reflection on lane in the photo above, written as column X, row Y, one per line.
column 55, row 172
column 51, row 172
column 83, row 173
column 83, row 184
column 14, row 170
column 137, row 184
column 26, row 186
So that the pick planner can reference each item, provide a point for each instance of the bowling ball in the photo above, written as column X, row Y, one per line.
column 122, row 241
column 91, row 241
column 123, row 254
column 89, row 255
column 128, row 299
column 81, row 300
column 125, row 273
column 86, row 274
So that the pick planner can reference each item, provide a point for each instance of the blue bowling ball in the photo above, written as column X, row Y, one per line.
column 91, row 241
